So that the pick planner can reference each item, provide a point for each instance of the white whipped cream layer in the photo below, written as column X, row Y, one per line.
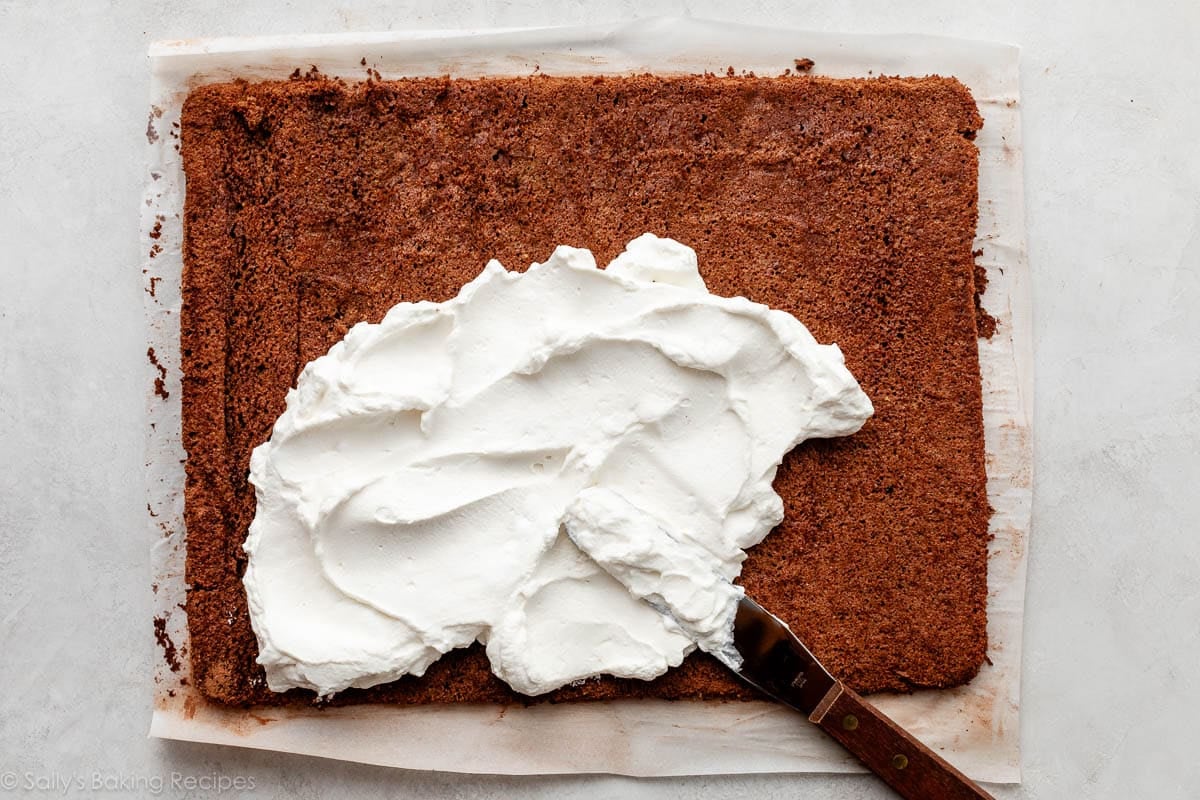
column 668, row 569
column 473, row 470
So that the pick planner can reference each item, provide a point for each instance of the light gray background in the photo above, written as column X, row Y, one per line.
column 1111, row 114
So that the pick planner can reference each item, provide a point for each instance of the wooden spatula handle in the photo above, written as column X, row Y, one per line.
column 908, row 766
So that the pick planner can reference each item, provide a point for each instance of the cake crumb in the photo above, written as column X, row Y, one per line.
column 160, row 385
column 164, row 641
column 985, row 323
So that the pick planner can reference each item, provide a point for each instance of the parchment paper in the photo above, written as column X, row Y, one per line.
column 975, row 727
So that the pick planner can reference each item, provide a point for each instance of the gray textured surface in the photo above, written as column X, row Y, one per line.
column 1113, row 184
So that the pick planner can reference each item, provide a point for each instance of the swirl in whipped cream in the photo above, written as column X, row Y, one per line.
column 447, row 475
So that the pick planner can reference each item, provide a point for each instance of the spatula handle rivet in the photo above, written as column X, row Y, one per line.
column 850, row 722
column 899, row 761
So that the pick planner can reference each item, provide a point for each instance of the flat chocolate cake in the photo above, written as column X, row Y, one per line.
column 313, row 204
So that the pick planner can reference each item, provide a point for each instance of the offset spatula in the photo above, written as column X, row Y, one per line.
column 602, row 523
column 777, row 663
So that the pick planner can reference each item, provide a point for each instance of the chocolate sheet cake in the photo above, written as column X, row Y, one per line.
column 313, row 204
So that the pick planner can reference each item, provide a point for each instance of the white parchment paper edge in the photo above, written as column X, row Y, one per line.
column 975, row 727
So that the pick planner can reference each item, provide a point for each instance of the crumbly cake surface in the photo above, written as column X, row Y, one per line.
column 313, row 204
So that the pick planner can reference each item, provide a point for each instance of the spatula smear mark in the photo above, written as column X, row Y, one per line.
column 667, row 569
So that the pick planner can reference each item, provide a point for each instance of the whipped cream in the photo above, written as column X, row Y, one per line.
column 565, row 464
column 669, row 570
